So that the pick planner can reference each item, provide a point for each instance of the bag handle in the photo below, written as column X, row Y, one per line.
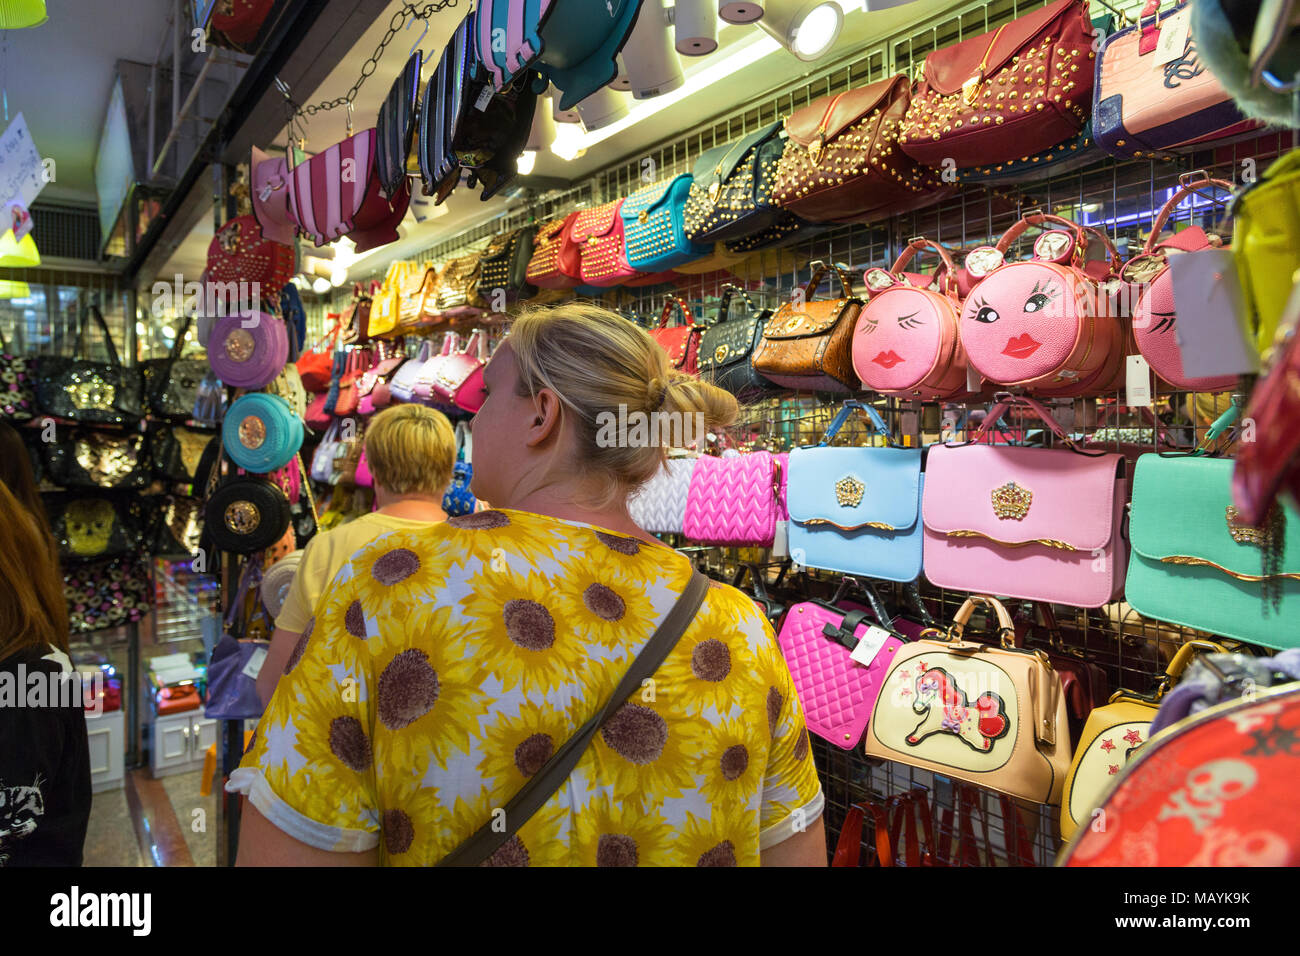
column 669, row 302
column 1004, row 401
column 1006, row 629
column 916, row 245
column 251, row 571
column 450, row 341
column 848, row 848
column 903, row 832
column 98, row 316
column 539, row 788
column 477, row 339
column 1188, row 184
column 850, row 406
column 1039, row 220
column 724, row 303
column 1020, row 849
column 820, row 269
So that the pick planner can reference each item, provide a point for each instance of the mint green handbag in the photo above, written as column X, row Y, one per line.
column 1191, row 565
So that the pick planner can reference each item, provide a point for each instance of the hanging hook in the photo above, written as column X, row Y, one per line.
column 349, row 118
column 411, row 23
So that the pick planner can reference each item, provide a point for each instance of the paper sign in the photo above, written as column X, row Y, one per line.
column 22, row 176
column 254, row 665
column 1173, row 36
column 1137, row 382
column 870, row 645
column 1210, row 324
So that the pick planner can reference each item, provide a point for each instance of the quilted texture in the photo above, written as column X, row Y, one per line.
column 732, row 501
column 660, row 504
column 837, row 693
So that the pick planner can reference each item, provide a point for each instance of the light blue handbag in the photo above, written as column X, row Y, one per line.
column 856, row 510
column 654, row 227
column 261, row 433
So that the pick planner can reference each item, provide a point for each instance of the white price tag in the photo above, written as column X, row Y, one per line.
column 870, row 645
column 1137, row 382
column 484, row 98
column 781, row 540
column 254, row 665
column 1173, row 36
column 974, row 381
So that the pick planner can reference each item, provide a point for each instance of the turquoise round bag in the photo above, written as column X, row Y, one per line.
column 261, row 433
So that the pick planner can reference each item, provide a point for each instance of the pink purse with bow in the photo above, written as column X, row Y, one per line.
column 732, row 501
column 337, row 193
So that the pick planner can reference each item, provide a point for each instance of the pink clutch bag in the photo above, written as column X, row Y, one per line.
column 733, row 501
column 598, row 235
column 837, row 693
column 458, row 378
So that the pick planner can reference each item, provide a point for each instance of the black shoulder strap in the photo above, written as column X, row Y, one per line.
column 493, row 835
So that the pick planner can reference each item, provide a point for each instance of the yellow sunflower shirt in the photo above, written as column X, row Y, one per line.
column 446, row 665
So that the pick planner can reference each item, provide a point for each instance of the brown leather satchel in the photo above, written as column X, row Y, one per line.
column 842, row 162
column 807, row 345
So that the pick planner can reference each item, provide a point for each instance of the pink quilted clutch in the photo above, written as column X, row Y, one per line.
column 733, row 501
column 837, row 693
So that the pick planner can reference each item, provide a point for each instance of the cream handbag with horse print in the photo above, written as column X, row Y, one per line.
column 993, row 716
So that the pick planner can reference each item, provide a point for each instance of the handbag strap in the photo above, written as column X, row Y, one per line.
column 819, row 272
column 251, row 571
column 669, row 302
column 1188, row 184
column 1020, row 849
column 850, row 406
column 916, row 245
column 1041, row 219
column 724, row 303
column 1006, row 628
column 540, row 787
column 98, row 316
column 848, row 848
column 1004, row 401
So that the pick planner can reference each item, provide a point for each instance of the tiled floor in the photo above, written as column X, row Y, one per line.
column 111, row 837
column 196, row 815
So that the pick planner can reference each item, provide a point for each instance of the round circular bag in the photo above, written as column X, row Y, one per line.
column 277, row 579
column 261, row 433
column 248, row 350
column 246, row 515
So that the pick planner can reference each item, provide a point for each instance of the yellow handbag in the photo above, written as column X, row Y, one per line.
column 385, row 310
column 416, row 302
column 1266, row 243
column 1112, row 734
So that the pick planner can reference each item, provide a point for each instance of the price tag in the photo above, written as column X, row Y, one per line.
column 781, row 540
column 1173, row 36
column 1137, row 382
column 870, row 645
column 254, row 665
column 484, row 98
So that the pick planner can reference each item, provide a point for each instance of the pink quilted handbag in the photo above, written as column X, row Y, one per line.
column 733, row 501
column 337, row 193
column 1041, row 524
column 1153, row 315
column 837, row 693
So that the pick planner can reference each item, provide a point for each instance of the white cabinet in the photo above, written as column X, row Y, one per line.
column 106, row 733
column 180, row 742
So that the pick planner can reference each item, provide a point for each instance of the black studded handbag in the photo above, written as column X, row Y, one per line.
column 171, row 384
column 504, row 266
column 731, row 189
column 728, row 346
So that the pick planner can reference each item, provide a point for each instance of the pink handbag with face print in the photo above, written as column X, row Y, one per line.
column 1046, row 323
column 905, row 342
column 733, row 501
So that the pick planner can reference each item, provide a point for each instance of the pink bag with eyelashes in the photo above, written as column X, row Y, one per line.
column 1150, row 277
column 1045, row 324
column 906, row 341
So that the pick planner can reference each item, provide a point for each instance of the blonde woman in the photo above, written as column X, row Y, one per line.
column 447, row 665
column 411, row 451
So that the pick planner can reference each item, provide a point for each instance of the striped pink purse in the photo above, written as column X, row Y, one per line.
column 337, row 193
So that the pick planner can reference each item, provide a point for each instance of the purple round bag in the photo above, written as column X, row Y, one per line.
column 248, row 350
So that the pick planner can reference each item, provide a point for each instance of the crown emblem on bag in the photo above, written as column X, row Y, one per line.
column 1011, row 501
column 848, row 492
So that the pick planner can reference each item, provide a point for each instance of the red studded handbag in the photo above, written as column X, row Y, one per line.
column 555, row 263
column 1000, row 96
column 681, row 342
column 598, row 236
column 239, row 255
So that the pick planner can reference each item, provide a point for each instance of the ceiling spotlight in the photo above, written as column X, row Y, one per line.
column 652, row 63
column 542, row 133
column 621, row 82
column 320, row 286
column 569, row 141
column 807, row 28
column 603, row 107
column 526, row 161
column 740, row 11
column 695, row 27
column 562, row 116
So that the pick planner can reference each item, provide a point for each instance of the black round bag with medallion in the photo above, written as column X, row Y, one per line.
column 245, row 515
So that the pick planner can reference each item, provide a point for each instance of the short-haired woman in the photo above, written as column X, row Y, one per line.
column 411, row 451
column 446, row 665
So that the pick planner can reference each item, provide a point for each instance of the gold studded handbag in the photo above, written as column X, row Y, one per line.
column 842, row 162
column 598, row 236
column 731, row 189
column 1016, row 91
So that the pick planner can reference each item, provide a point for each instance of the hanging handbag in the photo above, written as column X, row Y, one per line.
column 458, row 377
column 1047, row 323
column 336, row 193
column 234, row 665
column 1043, row 524
column 856, row 510
column 991, row 716
column 1266, row 224
column 418, row 300
column 572, row 44
column 458, row 500
column 458, row 295
column 176, row 452
column 906, row 341
column 241, row 20
column 270, row 196
column 209, row 401
column 336, row 382
column 597, row 234
column 1142, row 105
column 95, row 393
column 503, row 267
column 327, row 450
column 349, row 399
column 732, row 501
column 1003, row 95
column 808, row 345
column 1115, row 732
column 245, row 515
column 386, row 310
column 356, row 317
column 248, row 349
column 90, row 525
column 659, row 506
column 315, row 367
column 402, row 386
column 245, row 267
column 1269, row 467
column 108, row 593
column 556, row 262
column 654, row 226
column 261, row 433
column 174, row 526
column 17, row 386
column 395, row 127
column 1194, row 564
column 731, row 189
column 841, row 162
column 727, row 347
column 680, row 342
column 171, row 385
column 95, row 459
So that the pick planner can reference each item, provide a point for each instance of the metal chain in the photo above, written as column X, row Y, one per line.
column 409, row 11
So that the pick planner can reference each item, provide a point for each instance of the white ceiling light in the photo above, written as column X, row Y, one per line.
column 695, row 27
column 621, row 81
column 652, row 63
column 807, row 28
column 562, row 116
column 569, row 141
column 603, row 107
column 740, row 11
column 526, row 161
column 320, row 286
column 542, row 133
